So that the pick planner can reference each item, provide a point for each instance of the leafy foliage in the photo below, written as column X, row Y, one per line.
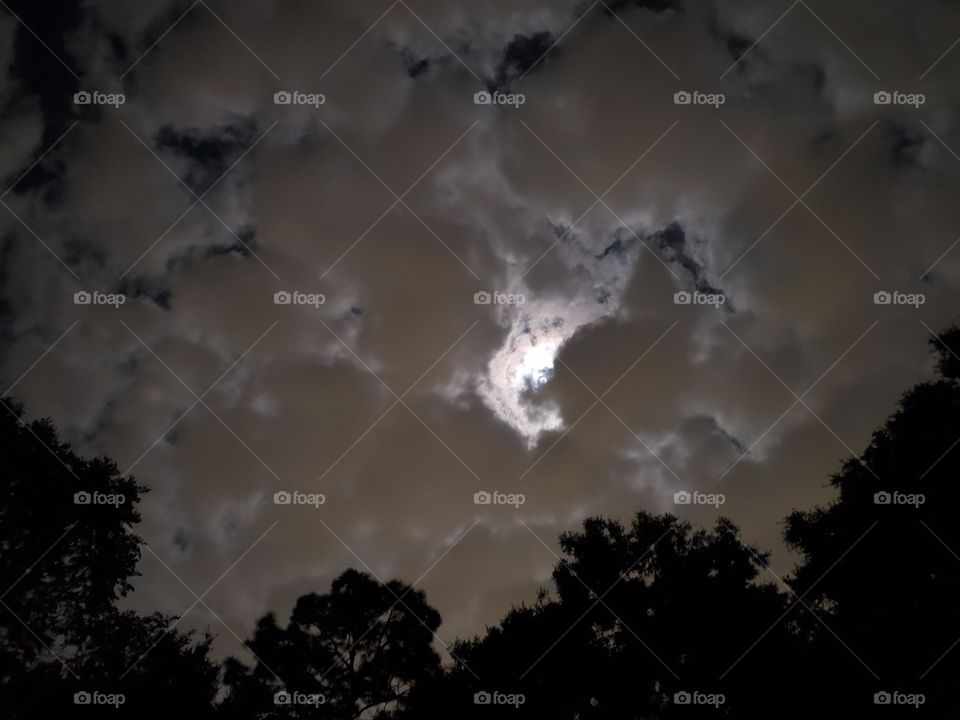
column 635, row 614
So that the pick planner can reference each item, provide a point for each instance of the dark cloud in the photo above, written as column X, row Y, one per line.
column 580, row 213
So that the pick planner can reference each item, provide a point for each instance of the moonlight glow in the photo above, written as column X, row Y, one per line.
column 524, row 364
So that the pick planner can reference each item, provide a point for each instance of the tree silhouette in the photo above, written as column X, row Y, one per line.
column 638, row 615
column 357, row 651
column 880, row 566
column 872, row 613
column 67, row 553
column 637, row 618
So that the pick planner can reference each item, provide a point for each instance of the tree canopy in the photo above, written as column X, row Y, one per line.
column 651, row 619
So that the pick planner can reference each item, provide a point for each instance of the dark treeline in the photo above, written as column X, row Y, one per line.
column 652, row 620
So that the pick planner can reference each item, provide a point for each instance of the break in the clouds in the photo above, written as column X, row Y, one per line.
column 676, row 233
column 542, row 321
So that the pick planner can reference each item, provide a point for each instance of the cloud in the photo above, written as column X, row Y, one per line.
column 398, row 200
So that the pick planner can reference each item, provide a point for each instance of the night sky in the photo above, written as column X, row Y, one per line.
column 386, row 256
